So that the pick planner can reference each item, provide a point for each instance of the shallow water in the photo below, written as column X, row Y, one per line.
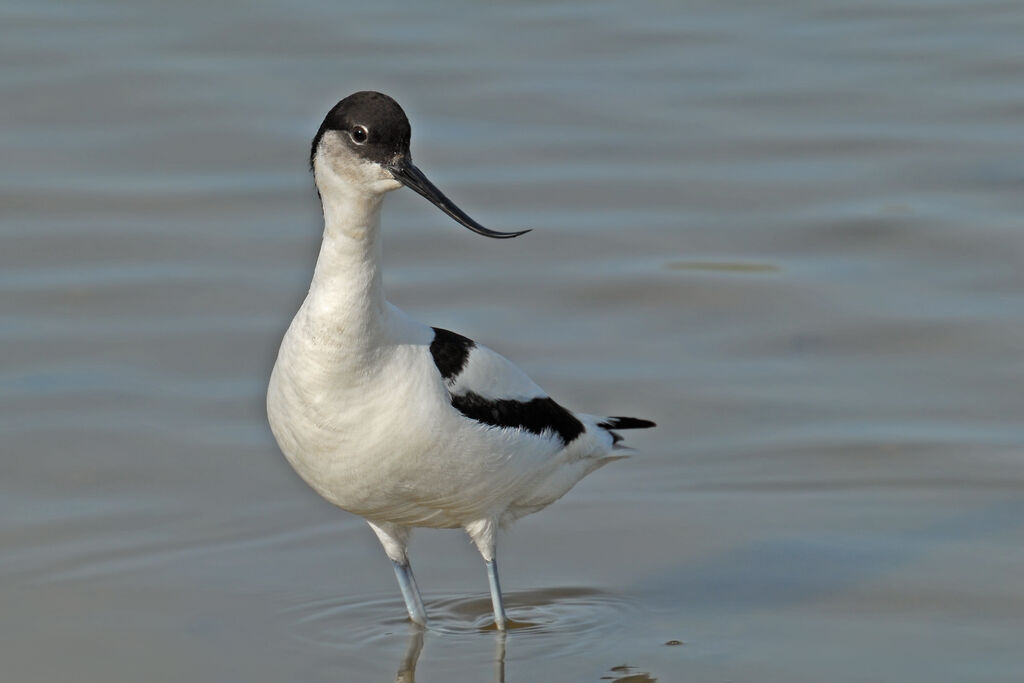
column 791, row 234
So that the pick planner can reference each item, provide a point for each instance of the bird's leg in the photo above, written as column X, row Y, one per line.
column 484, row 535
column 395, row 538
column 496, row 601
column 411, row 592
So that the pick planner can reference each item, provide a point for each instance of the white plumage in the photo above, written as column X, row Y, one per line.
column 390, row 419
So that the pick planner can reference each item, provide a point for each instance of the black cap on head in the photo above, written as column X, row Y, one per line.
column 374, row 126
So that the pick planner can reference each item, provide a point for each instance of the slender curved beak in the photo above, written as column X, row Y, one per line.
column 406, row 173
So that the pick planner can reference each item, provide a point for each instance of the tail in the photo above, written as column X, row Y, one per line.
column 611, row 423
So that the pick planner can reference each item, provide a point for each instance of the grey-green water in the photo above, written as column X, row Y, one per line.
column 791, row 233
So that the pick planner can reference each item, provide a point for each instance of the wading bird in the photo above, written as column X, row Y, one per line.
column 404, row 424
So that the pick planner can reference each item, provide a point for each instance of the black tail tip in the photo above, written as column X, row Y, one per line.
column 626, row 423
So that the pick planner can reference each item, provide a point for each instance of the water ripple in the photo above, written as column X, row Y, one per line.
column 586, row 614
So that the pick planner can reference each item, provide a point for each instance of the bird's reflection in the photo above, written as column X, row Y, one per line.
column 407, row 667
column 499, row 656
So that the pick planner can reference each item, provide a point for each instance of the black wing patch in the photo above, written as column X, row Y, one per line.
column 537, row 415
column 450, row 352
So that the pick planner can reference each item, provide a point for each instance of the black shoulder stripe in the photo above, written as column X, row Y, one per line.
column 536, row 415
column 450, row 352
column 625, row 423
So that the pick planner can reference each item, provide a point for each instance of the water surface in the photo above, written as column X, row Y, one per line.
column 789, row 232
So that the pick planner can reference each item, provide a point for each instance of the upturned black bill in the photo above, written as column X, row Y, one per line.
column 413, row 178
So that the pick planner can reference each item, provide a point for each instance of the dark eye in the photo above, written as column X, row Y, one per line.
column 359, row 135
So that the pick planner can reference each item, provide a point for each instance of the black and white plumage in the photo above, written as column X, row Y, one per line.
column 400, row 423
column 469, row 370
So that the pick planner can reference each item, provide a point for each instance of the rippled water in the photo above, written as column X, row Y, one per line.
column 789, row 232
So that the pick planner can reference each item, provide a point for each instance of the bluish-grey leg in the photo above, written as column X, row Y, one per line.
column 411, row 593
column 499, row 607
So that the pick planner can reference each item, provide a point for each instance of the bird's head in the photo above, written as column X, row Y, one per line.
column 363, row 144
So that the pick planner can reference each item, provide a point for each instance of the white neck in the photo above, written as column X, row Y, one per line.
column 346, row 296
